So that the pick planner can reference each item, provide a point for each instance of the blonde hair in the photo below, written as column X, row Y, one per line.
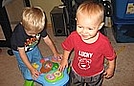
column 92, row 10
column 33, row 19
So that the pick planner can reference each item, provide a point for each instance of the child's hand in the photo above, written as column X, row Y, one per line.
column 109, row 73
column 35, row 73
column 58, row 55
column 63, row 64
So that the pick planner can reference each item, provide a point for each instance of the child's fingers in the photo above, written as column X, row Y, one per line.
column 60, row 56
column 35, row 76
column 107, row 76
column 105, row 73
column 61, row 68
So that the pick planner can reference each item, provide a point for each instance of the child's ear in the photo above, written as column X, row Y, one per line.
column 101, row 25
column 20, row 22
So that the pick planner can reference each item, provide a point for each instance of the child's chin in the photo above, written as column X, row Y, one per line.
column 85, row 38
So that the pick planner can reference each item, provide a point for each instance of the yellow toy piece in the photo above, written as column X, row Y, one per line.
column 35, row 65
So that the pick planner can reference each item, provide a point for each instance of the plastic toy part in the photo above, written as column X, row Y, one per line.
column 54, row 76
column 49, row 73
column 44, row 59
column 35, row 65
column 46, row 67
column 56, row 59
column 29, row 83
column 55, row 66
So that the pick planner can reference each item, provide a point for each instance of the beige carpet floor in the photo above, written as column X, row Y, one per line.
column 124, row 73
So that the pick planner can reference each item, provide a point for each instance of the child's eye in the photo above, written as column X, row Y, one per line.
column 79, row 26
column 90, row 28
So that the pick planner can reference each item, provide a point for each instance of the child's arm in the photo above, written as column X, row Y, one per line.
column 51, row 45
column 24, row 58
column 110, row 70
column 64, row 60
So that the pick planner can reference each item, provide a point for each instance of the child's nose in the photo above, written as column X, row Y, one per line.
column 84, row 30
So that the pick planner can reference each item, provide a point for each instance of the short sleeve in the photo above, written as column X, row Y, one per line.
column 44, row 33
column 19, row 36
column 68, row 43
column 109, row 52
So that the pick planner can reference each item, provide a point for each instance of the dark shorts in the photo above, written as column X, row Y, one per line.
column 76, row 80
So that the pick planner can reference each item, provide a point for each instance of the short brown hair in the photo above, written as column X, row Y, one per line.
column 33, row 19
column 92, row 9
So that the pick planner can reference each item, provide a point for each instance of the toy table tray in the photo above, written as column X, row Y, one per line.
column 52, row 77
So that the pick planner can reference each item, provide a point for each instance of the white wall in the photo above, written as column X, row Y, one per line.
column 46, row 5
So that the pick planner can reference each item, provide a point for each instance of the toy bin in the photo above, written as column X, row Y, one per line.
column 123, row 31
column 123, row 9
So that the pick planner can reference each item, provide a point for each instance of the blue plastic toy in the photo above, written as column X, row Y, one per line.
column 50, row 76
